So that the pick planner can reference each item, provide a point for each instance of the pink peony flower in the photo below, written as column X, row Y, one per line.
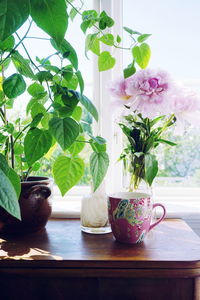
column 150, row 92
column 118, row 88
column 186, row 107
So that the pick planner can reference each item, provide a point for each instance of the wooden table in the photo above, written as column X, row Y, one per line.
column 61, row 262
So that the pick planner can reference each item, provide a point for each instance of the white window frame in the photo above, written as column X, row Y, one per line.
column 180, row 202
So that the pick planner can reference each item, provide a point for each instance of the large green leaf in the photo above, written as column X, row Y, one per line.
column 8, row 196
column 99, row 162
column 142, row 55
column 89, row 106
column 13, row 13
column 151, row 168
column 37, row 142
column 51, row 16
column 105, row 61
column 67, row 51
column 64, row 130
column 22, row 65
column 67, row 172
column 11, row 174
column 15, row 180
column 14, row 86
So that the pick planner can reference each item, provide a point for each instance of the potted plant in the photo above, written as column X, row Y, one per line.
column 55, row 114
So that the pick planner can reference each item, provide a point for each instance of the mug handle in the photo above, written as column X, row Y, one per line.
column 161, row 218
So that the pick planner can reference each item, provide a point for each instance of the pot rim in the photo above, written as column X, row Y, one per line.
column 37, row 180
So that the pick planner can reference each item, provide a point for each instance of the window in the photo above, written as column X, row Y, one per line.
column 175, row 48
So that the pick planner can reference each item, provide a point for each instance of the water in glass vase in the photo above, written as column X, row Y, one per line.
column 94, row 212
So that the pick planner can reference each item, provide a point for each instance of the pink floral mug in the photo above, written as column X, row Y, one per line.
column 130, row 216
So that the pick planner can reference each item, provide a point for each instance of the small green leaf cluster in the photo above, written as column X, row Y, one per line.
column 143, row 136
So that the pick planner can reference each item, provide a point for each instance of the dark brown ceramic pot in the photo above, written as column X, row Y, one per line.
column 34, row 205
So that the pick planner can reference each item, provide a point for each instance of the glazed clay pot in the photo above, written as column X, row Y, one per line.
column 34, row 205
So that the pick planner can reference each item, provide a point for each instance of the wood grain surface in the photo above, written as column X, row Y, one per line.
column 61, row 263
column 171, row 244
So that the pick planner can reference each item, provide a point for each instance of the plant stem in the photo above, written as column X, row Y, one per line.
column 20, row 133
column 37, row 38
column 12, row 152
column 37, row 68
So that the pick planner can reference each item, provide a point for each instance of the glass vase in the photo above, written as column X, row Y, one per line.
column 94, row 212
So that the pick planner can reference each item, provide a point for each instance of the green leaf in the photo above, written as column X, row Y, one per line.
column 151, row 168
column 129, row 30
column 107, row 39
column 105, row 21
column 36, row 109
column 77, row 113
column 14, row 86
column 98, row 139
column 142, row 55
column 44, row 76
column 8, row 196
column 92, row 44
column 22, row 65
column 156, row 120
column 70, row 100
column 80, row 81
column 99, row 162
column 143, row 37
column 118, row 39
column 96, row 147
column 7, row 44
column 13, row 13
column 89, row 106
column 67, row 73
column 37, row 142
column 77, row 147
column 51, row 16
column 64, row 130
column 5, row 65
column 11, row 174
column 166, row 142
column 3, row 164
column 67, row 172
column 35, row 89
column 106, row 61
column 67, row 51
column 73, row 13
column 15, row 180
column 36, row 120
column 130, row 70
column 85, row 25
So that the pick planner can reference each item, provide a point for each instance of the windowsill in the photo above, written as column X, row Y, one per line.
column 179, row 202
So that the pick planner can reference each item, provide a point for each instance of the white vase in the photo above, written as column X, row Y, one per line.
column 94, row 212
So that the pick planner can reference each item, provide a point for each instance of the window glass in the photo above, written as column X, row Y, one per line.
column 175, row 46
